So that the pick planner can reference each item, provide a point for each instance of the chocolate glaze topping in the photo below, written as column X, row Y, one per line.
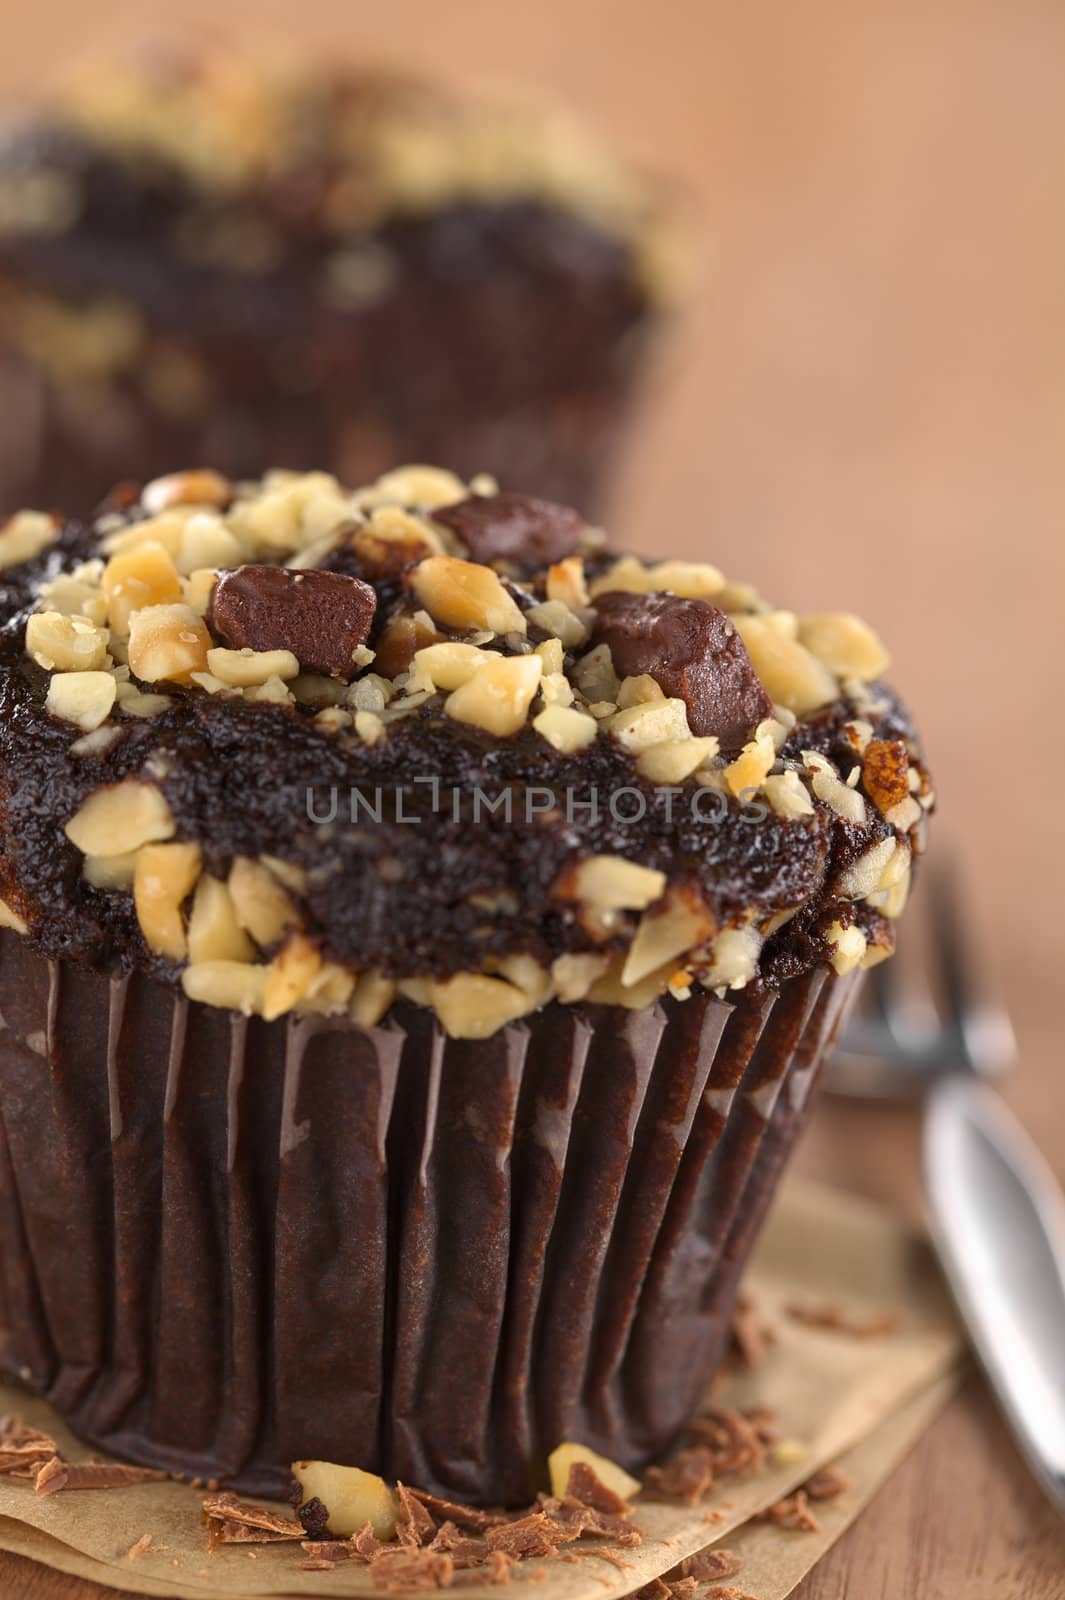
column 526, row 791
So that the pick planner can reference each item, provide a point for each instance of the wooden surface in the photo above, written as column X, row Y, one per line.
column 866, row 408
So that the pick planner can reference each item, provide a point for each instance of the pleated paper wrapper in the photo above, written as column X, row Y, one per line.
column 226, row 1244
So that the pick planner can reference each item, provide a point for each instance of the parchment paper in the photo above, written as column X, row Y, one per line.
column 834, row 1396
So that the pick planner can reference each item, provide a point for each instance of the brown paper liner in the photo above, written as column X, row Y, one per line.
column 226, row 1244
column 533, row 384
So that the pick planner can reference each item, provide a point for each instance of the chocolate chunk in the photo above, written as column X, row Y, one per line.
column 322, row 617
column 693, row 653
column 527, row 533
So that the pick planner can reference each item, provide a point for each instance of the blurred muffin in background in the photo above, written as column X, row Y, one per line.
column 206, row 256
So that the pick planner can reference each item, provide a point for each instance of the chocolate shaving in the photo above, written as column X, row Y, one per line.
column 728, row 1594
column 225, row 1530
column 585, row 1484
column 452, row 1511
column 826, row 1484
column 793, row 1512
column 234, row 1521
column 667, row 1589
column 708, row 1564
column 732, row 1439
column 833, row 1318
column 23, row 1450
column 406, row 1570
column 532, row 1535
column 655, row 1590
column 226, row 1507
column 465, row 1550
column 590, row 1522
column 414, row 1526
column 56, row 1475
column 367, row 1544
column 686, row 1476
column 610, row 1556
column 318, row 1565
column 333, row 1550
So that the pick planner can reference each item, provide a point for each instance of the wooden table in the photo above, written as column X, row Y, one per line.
column 865, row 408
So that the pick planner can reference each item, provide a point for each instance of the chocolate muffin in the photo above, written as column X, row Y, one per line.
column 423, row 929
column 207, row 257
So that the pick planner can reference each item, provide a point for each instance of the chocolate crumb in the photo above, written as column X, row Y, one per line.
column 144, row 1545
column 719, row 1593
column 763, row 1420
column 793, row 1513
column 826, row 1484
column 498, row 1567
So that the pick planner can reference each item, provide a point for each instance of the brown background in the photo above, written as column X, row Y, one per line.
column 865, row 409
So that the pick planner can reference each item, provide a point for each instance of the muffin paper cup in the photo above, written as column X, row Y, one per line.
column 226, row 1244
column 535, row 386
